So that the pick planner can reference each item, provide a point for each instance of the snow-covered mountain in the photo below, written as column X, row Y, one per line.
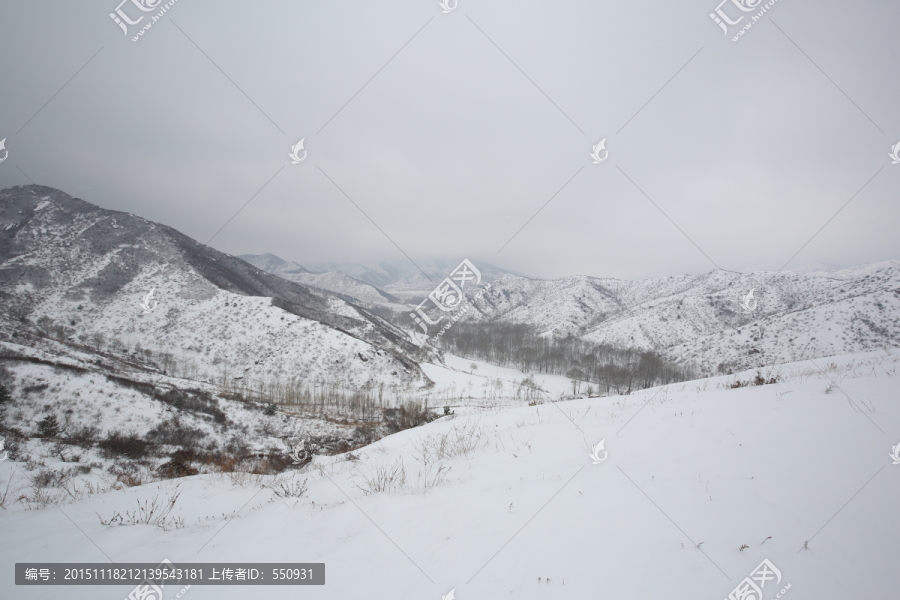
column 701, row 318
column 408, row 281
column 336, row 281
column 104, row 278
column 273, row 264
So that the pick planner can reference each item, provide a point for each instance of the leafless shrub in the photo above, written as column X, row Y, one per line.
column 49, row 478
column 127, row 473
column 130, row 479
column 14, row 450
column 459, row 441
column 83, row 436
column 8, row 492
column 149, row 512
column 39, row 498
column 266, row 464
column 129, row 445
column 268, row 428
column 293, row 488
column 406, row 416
column 78, row 470
column 244, row 479
column 178, row 466
column 758, row 379
column 174, row 433
column 432, row 475
column 384, row 478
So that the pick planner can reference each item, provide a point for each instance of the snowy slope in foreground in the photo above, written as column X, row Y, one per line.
column 522, row 502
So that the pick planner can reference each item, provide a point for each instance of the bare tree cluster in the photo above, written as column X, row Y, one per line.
column 610, row 368
column 318, row 396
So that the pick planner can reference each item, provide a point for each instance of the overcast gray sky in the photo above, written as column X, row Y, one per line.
column 452, row 130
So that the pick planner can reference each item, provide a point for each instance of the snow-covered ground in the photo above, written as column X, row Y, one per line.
column 506, row 503
column 460, row 384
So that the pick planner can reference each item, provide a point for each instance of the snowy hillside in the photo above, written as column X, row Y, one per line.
column 84, row 275
column 700, row 318
column 111, row 394
column 702, row 483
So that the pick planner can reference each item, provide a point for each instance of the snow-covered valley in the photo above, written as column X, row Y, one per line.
column 449, row 300
column 259, row 412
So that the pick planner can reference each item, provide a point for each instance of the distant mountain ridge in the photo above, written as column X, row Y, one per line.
column 405, row 280
column 336, row 282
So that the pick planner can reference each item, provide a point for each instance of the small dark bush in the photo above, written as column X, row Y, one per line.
column 363, row 436
column 237, row 446
column 49, row 478
column 127, row 473
column 174, row 433
column 290, row 489
column 269, row 410
column 406, row 416
column 268, row 464
column 48, row 427
column 5, row 397
column 128, row 445
column 83, row 436
column 12, row 447
column 178, row 466
column 758, row 379
column 195, row 401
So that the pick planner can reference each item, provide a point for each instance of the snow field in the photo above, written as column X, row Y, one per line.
column 735, row 466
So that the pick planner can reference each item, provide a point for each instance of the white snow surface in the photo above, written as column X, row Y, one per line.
column 456, row 380
column 523, row 513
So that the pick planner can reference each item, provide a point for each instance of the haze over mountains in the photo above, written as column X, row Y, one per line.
column 395, row 280
column 334, row 281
